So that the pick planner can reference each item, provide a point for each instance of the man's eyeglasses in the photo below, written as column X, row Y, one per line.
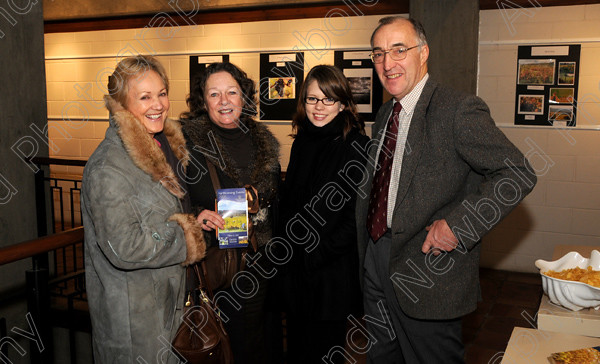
column 327, row 101
column 397, row 53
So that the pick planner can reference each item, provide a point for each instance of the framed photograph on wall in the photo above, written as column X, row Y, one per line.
column 198, row 64
column 561, row 95
column 282, row 88
column 281, row 74
column 531, row 104
column 546, row 85
column 536, row 71
column 560, row 113
column 360, row 72
column 566, row 73
column 361, row 84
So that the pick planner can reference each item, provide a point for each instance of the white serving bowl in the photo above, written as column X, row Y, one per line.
column 570, row 294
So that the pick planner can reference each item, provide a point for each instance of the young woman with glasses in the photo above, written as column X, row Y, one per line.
column 327, row 157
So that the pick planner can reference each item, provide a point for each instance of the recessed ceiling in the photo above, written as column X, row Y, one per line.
column 90, row 9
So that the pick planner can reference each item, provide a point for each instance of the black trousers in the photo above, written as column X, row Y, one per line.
column 309, row 340
column 243, row 311
column 403, row 339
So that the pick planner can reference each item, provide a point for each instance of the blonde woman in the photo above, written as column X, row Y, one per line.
column 138, row 236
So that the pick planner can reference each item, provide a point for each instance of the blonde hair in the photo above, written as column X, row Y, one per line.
column 132, row 67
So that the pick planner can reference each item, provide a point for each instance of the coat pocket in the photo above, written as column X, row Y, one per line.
column 169, row 302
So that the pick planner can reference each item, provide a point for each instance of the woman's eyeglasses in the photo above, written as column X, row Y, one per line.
column 327, row 101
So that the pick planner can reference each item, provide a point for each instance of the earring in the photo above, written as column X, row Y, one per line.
column 341, row 108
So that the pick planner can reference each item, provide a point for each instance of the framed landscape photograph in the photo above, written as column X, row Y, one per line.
column 536, row 71
column 566, row 73
column 531, row 104
column 360, row 72
column 560, row 113
column 361, row 84
column 561, row 95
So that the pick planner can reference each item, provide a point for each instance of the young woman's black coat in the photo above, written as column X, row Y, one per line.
column 321, row 281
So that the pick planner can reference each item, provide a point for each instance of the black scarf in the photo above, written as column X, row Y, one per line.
column 316, row 154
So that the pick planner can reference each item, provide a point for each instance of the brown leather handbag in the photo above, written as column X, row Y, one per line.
column 223, row 264
column 201, row 337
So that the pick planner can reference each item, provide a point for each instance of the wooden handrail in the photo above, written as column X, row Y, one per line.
column 75, row 162
column 57, row 161
column 45, row 244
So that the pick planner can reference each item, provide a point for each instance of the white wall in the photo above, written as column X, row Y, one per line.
column 564, row 207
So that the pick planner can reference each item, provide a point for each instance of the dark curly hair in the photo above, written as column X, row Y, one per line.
column 196, row 102
column 334, row 84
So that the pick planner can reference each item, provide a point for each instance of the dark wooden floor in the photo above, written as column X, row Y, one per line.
column 509, row 299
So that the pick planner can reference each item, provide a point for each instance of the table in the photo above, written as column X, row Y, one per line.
column 535, row 346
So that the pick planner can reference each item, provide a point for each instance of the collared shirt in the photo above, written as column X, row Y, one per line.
column 408, row 102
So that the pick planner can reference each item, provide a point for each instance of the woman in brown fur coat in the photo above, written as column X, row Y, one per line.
column 220, row 130
column 138, row 229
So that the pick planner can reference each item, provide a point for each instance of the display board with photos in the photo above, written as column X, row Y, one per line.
column 547, row 80
column 281, row 77
column 198, row 64
column 360, row 72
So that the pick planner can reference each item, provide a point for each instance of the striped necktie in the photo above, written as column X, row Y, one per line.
column 377, row 214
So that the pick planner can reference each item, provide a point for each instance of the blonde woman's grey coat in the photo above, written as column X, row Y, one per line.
column 137, row 241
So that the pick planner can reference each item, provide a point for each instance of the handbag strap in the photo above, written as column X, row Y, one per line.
column 191, row 282
column 212, row 170
column 252, row 198
column 202, row 281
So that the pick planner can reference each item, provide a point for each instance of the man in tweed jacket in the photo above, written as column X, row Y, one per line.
column 454, row 176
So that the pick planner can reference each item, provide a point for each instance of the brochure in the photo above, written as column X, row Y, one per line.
column 233, row 207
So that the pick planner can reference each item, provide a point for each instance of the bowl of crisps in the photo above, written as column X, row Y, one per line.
column 572, row 281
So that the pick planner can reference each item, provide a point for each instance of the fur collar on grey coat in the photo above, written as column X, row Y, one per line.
column 144, row 151
column 147, row 155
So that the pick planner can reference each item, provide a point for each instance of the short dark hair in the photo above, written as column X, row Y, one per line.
column 417, row 26
column 335, row 85
column 196, row 102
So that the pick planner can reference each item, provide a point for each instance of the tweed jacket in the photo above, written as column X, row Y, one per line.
column 457, row 166
column 135, row 241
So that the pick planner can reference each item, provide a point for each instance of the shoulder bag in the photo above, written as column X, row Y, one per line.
column 201, row 337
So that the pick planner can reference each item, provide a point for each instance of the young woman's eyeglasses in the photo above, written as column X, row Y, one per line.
column 397, row 53
column 327, row 101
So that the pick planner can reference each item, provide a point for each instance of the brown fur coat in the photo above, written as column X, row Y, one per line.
column 204, row 145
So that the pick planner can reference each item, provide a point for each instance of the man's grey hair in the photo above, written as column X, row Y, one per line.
column 417, row 26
